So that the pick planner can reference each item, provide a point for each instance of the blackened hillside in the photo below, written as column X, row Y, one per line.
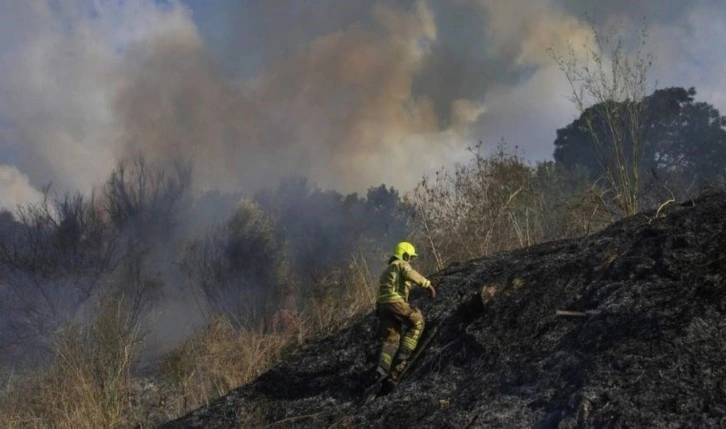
column 649, row 350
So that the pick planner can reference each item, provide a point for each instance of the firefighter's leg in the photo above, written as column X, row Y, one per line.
column 390, row 335
column 415, row 325
column 414, row 322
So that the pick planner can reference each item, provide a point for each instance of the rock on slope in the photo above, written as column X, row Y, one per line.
column 650, row 350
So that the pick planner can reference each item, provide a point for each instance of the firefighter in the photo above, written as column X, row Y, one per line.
column 395, row 313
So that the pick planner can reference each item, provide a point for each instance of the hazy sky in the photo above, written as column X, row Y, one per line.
column 351, row 93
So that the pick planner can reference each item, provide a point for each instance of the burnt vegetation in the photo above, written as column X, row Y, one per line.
column 145, row 301
column 640, row 344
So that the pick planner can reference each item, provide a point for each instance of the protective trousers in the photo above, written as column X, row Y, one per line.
column 392, row 317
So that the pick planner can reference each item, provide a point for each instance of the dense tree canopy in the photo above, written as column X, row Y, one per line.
column 679, row 137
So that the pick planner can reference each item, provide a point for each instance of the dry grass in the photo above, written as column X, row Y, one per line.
column 223, row 356
column 338, row 299
column 217, row 359
column 87, row 383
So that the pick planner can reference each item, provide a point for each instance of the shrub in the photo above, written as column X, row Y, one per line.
column 499, row 203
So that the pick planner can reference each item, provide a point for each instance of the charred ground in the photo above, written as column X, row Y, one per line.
column 649, row 351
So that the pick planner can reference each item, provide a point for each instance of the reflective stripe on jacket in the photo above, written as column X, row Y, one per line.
column 396, row 281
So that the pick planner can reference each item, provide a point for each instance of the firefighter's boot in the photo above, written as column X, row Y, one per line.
column 399, row 366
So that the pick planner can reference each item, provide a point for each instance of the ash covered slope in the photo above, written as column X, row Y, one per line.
column 650, row 351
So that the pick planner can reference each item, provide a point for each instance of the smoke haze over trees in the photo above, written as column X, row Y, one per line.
column 245, row 169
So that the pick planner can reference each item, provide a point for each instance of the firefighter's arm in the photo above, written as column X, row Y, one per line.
column 413, row 276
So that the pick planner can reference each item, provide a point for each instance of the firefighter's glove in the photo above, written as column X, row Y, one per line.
column 432, row 291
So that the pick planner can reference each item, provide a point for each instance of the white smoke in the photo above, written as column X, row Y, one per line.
column 15, row 189
column 58, row 79
column 375, row 91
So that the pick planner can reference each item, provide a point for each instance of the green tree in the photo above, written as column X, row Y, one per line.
column 683, row 140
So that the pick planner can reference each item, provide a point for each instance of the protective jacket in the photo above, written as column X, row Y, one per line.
column 396, row 281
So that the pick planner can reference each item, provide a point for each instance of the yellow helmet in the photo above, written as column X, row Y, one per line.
column 404, row 251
